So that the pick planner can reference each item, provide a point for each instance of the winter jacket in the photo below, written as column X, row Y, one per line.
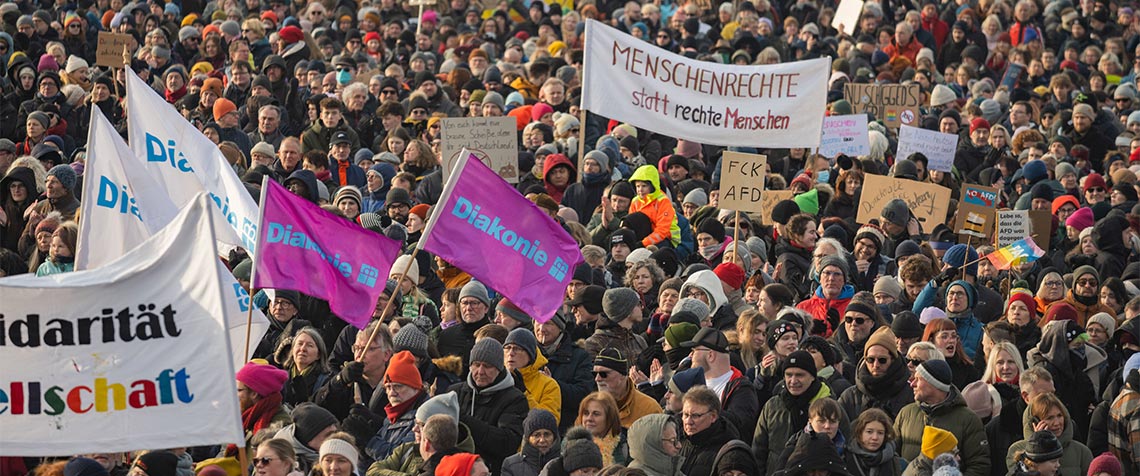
column 700, row 450
column 1072, row 376
column 884, row 462
column 645, row 447
column 951, row 415
column 317, row 137
column 306, row 457
column 777, row 424
column 610, row 334
column 308, row 178
column 635, row 405
column 394, row 433
column 707, row 281
column 827, row 312
column 889, row 392
column 50, row 267
column 796, row 267
column 541, row 390
column 1074, row 462
column 739, row 403
column 354, row 174
column 405, row 459
column 1084, row 312
column 571, row 367
column 496, row 415
column 657, row 207
column 528, row 461
column 458, row 339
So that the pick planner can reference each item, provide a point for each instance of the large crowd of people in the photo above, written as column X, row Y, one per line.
column 693, row 340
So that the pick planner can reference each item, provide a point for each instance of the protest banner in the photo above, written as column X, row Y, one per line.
column 845, row 135
column 894, row 104
column 938, row 147
column 493, row 140
column 122, row 206
column 635, row 82
column 846, row 16
column 522, row 253
column 1012, row 225
column 927, row 202
column 109, row 48
column 131, row 355
column 769, row 200
column 185, row 162
column 975, row 215
column 742, row 181
column 309, row 250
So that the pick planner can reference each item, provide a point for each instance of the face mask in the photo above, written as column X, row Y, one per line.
column 343, row 77
column 823, row 176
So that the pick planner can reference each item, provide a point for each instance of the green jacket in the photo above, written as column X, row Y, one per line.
column 405, row 459
column 951, row 415
column 775, row 427
column 1077, row 457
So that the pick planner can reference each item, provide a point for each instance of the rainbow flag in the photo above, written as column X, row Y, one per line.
column 1024, row 250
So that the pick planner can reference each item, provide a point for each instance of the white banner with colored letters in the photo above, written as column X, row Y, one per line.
column 633, row 81
column 131, row 355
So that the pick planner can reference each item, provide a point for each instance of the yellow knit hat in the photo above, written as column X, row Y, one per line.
column 936, row 441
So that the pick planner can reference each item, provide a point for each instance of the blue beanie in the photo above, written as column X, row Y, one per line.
column 682, row 381
column 1035, row 171
column 1131, row 365
column 961, row 254
column 971, row 294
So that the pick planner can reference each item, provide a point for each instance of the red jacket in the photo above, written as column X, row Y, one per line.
column 818, row 307
column 910, row 51
column 937, row 28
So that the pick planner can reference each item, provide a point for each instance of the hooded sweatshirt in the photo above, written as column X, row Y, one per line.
column 554, row 160
column 645, row 446
column 657, row 207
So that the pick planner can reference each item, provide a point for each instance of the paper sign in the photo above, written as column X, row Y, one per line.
column 742, row 181
column 975, row 216
column 894, row 104
column 494, row 140
column 1012, row 74
column 109, row 49
column 1012, row 225
column 845, row 135
column 847, row 16
column 768, row 202
column 938, row 147
column 927, row 202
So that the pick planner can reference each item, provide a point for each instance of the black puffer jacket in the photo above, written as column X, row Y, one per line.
column 796, row 267
column 700, row 450
column 495, row 415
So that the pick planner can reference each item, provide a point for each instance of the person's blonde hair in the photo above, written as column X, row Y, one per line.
column 991, row 360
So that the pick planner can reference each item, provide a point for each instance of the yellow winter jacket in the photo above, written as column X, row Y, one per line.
column 542, row 391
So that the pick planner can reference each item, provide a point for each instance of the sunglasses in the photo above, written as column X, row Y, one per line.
column 603, row 373
column 341, row 68
column 914, row 362
column 1096, row 189
column 877, row 360
column 388, row 91
column 857, row 320
column 262, row 461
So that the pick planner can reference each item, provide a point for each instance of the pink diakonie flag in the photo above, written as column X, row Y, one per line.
column 484, row 227
column 312, row 251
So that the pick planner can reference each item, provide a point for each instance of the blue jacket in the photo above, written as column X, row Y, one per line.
column 355, row 174
column 969, row 328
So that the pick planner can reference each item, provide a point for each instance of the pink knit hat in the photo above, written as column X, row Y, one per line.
column 1080, row 219
column 262, row 378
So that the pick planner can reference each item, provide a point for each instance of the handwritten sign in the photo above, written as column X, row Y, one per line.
column 109, row 49
column 894, row 104
column 927, row 202
column 845, row 135
column 494, row 140
column 768, row 202
column 1012, row 225
column 938, row 147
column 847, row 16
column 742, row 181
column 975, row 215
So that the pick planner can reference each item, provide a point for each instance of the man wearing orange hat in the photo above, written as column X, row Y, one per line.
column 404, row 390
column 229, row 124
column 462, row 464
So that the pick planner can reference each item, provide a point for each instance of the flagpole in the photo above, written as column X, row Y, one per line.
column 253, row 267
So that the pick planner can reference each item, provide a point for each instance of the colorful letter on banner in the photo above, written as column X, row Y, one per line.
column 309, row 250
column 185, row 162
column 483, row 226
column 122, row 206
column 131, row 355
column 633, row 81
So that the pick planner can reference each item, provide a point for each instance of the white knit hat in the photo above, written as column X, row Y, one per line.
column 942, row 94
column 333, row 446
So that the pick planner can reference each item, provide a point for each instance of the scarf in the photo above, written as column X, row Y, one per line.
column 867, row 462
column 798, row 404
column 1086, row 300
column 173, row 96
column 881, row 390
column 595, row 179
column 342, row 171
column 708, row 252
column 258, row 417
column 395, row 411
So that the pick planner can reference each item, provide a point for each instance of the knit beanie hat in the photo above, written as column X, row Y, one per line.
column 1105, row 320
column 971, row 293
column 808, row 201
column 836, row 261
column 906, row 326
column 488, row 351
column 873, row 233
column 511, row 310
column 223, row 106
column 336, row 446
column 350, row 192
column 158, row 463
column 929, row 314
column 896, row 212
column 442, row 404
column 679, row 333
column 612, row 359
column 1080, row 219
column 619, row 303
column 579, row 451
column 1106, row 463
column 819, row 344
column 65, row 174
column 1023, row 295
column 784, row 210
column 778, row 329
column 411, row 339
column 884, row 338
column 41, row 117
column 539, row 419
column 309, row 420
column 941, row 95
column 888, row 285
column 697, row 197
column 494, row 98
column 525, row 339
column 694, row 306
column 1035, row 170
column 589, row 297
column 982, row 398
column 730, row 273
column 1043, row 446
column 476, row 290
column 264, row 379
column 801, row 359
column 402, row 369
column 937, row 373
column 421, row 210
column 936, row 441
column 88, row 467
column 682, row 381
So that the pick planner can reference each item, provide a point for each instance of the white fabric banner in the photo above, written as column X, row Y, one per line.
column 131, row 355
column 633, row 81
column 185, row 162
column 122, row 206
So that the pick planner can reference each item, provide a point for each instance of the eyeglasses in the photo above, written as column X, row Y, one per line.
column 1095, row 190
column 672, row 441
column 857, row 320
column 1053, row 284
column 388, row 91
column 262, row 461
column 694, row 416
column 470, row 303
column 914, row 362
column 283, row 303
column 359, row 348
column 877, row 360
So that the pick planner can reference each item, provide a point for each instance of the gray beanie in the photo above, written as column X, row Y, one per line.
column 512, row 311
column 65, row 174
column 265, row 148
column 833, row 260
column 442, row 404
column 1064, row 168
column 40, row 117
column 188, row 32
column 230, row 28
column 618, row 303
column 579, row 451
column 496, row 99
column 1134, row 117
column 476, row 290
column 758, row 247
column 412, row 339
column 523, row 338
column 697, row 197
column 161, row 52
column 991, row 110
column 693, row 305
column 540, row 419
column 897, row 212
column 25, row 20
column 489, row 351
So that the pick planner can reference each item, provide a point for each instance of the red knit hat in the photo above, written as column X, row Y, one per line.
column 731, row 274
column 291, row 34
column 1094, row 180
column 421, row 210
column 1106, row 463
column 1066, row 198
column 979, row 123
column 371, row 36
column 271, row 16
column 1060, row 311
column 402, row 369
column 458, row 464
column 264, row 379
column 1023, row 295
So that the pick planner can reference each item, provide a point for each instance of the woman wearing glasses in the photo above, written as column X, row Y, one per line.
column 275, row 457
column 1021, row 314
column 880, row 379
column 944, row 335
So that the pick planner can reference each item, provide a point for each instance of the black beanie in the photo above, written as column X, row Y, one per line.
column 712, row 227
column 820, row 345
column 784, row 211
column 801, row 359
column 625, row 235
column 309, row 420
column 630, row 142
column 623, row 189
column 1125, row 189
column 677, row 159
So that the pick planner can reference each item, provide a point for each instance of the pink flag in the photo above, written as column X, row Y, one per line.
column 309, row 250
column 484, row 227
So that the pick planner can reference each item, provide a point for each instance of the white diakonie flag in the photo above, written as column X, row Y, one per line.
column 123, row 205
column 633, row 81
column 131, row 355
column 185, row 162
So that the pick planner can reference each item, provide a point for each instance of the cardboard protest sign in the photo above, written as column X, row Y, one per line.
column 1012, row 225
column 768, row 201
column 894, row 104
column 1041, row 226
column 927, row 202
column 633, row 81
column 742, row 181
column 847, row 16
column 845, row 135
column 493, row 140
column 109, row 49
column 938, row 147
column 975, row 216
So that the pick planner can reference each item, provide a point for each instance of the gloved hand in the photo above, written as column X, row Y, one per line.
column 352, row 372
column 361, row 424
